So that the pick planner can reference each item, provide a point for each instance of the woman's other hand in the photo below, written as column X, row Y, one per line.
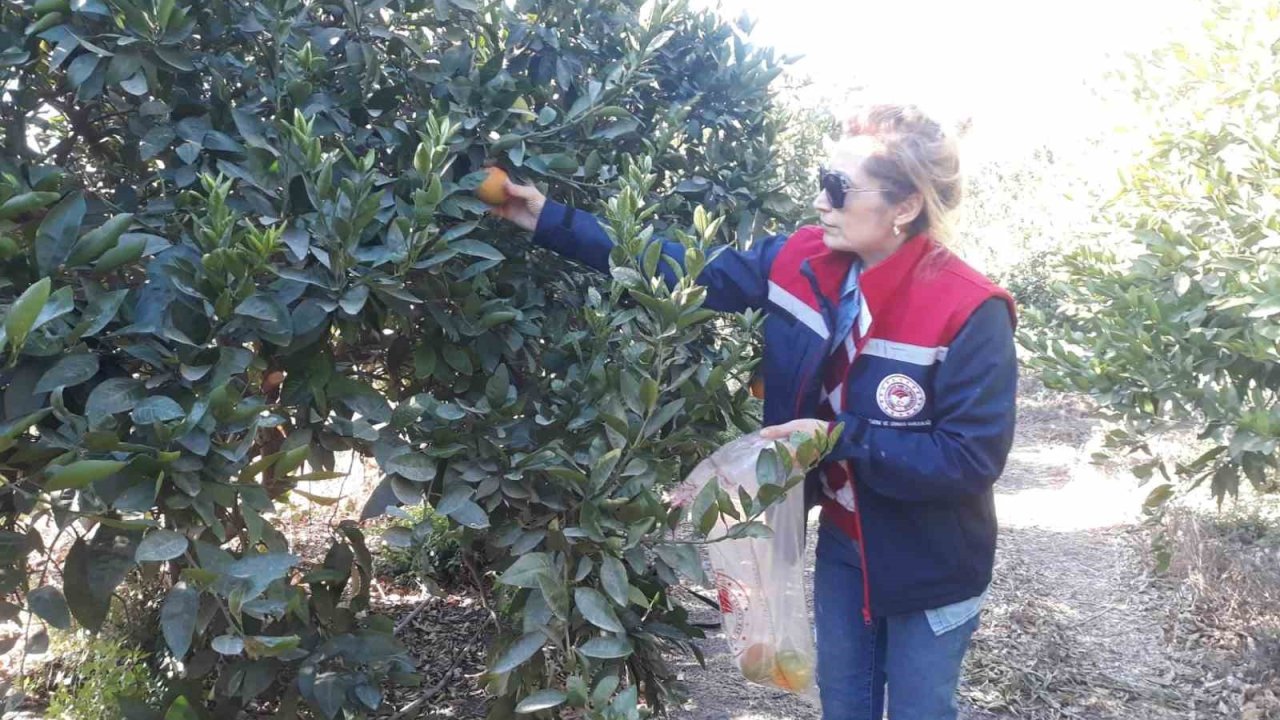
column 805, row 426
column 523, row 205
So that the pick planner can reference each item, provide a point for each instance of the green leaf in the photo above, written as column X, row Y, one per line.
column 369, row 695
column 61, row 302
column 68, row 372
column 361, row 398
column 97, row 241
column 1267, row 308
column 541, row 700
column 603, row 467
column 23, row 313
column 519, row 652
column 49, row 605
column 769, row 494
column 595, row 608
column 161, row 545
column 81, row 68
column 769, row 469
column 91, row 573
column 175, row 57
column 228, row 645
column 101, row 312
column 560, row 162
column 449, row 411
column 398, row 536
column 751, row 529
column 157, row 408
column 605, row 688
column 454, row 497
column 577, row 690
column 555, row 594
column 178, row 618
column 606, row 648
column 664, row 416
column 23, row 203
column 414, row 466
column 470, row 515
column 81, row 474
column 524, row 571
column 135, row 84
column 261, row 307
column 477, row 248
column 613, row 576
column 704, row 510
column 1158, row 496
column 270, row 645
column 725, row 504
column 57, row 233
column 331, row 693
column 180, row 709
column 685, row 559
column 272, row 565
column 615, row 130
column 113, row 396
column 496, row 387
column 130, row 247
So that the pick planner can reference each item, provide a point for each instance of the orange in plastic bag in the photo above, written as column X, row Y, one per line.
column 760, row 581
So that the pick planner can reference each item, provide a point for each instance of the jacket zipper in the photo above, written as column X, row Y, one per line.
column 862, row 552
column 857, row 504
column 857, row 515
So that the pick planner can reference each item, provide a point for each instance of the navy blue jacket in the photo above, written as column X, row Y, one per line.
column 927, row 408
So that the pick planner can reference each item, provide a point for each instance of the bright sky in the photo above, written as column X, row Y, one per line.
column 1021, row 69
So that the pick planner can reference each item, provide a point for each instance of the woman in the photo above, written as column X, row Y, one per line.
column 874, row 327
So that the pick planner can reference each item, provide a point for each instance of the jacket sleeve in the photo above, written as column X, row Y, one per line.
column 965, row 451
column 735, row 280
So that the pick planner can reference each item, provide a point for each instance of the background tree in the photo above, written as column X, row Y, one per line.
column 1171, row 321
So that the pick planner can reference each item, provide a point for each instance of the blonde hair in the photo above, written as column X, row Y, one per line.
column 915, row 155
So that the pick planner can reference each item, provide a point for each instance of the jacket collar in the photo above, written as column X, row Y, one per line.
column 881, row 282
column 826, row 270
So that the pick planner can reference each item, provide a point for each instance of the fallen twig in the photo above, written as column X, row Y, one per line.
column 417, row 610
column 435, row 689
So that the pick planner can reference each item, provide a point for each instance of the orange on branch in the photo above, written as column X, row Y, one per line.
column 494, row 188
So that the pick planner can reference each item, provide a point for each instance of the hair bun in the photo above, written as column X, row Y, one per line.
column 916, row 155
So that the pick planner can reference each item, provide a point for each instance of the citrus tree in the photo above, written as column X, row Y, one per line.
column 1173, row 321
column 239, row 238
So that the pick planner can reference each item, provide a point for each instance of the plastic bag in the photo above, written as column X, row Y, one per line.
column 760, row 581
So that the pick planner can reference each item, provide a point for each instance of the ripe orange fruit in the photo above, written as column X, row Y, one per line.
column 757, row 663
column 493, row 190
column 793, row 671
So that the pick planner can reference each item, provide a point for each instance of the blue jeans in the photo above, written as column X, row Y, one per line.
column 856, row 661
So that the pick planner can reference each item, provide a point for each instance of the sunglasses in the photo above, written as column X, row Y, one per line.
column 836, row 185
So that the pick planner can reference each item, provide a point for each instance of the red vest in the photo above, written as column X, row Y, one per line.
column 913, row 304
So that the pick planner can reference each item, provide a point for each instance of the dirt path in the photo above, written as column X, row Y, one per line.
column 1073, row 627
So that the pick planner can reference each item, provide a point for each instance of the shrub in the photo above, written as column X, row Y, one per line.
column 425, row 543
column 102, row 672
column 1173, row 323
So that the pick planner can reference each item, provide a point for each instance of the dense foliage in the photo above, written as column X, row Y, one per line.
column 1173, row 321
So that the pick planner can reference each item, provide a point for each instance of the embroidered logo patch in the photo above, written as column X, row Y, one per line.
column 900, row 397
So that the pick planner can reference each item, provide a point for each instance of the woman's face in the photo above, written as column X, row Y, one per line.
column 865, row 224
